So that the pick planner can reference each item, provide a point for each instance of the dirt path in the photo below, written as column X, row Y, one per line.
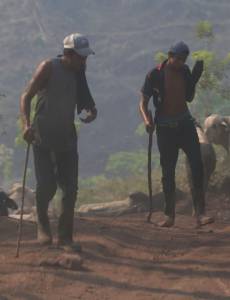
column 124, row 258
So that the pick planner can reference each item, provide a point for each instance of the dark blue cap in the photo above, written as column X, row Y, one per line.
column 179, row 49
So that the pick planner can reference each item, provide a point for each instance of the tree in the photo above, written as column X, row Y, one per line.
column 160, row 57
column 127, row 162
column 204, row 30
column 213, row 90
column 6, row 158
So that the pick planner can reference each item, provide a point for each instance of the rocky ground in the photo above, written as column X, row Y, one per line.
column 124, row 257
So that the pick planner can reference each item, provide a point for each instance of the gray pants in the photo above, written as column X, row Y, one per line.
column 51, row 169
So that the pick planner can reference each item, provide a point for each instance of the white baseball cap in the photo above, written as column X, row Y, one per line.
column 79, row 43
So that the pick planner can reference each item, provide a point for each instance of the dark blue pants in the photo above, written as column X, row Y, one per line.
column 51, row 169
column 171, row 138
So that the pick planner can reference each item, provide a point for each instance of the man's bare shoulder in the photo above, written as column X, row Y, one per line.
column 43, row 71
column 40, row 76
column 44, row 65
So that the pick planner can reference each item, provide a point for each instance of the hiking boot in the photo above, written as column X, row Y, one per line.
column 167, row 222
column 69, row 246
column 204, row 220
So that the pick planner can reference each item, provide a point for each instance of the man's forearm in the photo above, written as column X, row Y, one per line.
column 25, row 102
column 197, row 71
column 143, row 106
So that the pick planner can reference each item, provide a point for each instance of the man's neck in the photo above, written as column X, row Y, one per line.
column 65, row 61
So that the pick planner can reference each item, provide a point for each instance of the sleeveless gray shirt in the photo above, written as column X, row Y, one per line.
column 55, row 110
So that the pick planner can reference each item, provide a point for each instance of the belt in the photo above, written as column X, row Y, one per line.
column 173, row 124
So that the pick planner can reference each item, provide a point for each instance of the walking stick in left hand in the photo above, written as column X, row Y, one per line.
column 22, row 204
column 150, row 169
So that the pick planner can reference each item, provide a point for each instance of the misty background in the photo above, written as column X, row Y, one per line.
column 125, row 34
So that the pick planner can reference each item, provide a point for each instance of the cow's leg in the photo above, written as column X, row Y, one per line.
column 191, row 146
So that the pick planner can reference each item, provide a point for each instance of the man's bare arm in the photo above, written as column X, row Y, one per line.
column 143, row 106
column 37, row 82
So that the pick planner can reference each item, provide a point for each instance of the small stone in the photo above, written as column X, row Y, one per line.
column 65, row 260
column 70, row 261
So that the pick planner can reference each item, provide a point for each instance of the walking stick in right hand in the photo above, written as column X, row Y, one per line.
column 150, row 169
column 22, row 204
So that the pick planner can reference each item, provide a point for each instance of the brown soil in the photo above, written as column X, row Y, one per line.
column 124, row 258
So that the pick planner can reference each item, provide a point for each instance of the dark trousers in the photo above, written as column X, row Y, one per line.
column 52, row 169
column 171, row 138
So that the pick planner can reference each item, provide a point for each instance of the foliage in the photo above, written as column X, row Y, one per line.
column 2, row 119
column 220, row 179
column 204, row 30
column 127, row 162
column 109, row 189
column 93, row 181
column 6, row 156
column 19, row 139
column 113, row 189
column 213, row 69
column 213, row 90
column 160, row 57
column 140, row 131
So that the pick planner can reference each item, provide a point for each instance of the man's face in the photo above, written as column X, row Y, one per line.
column 177, row 61
column 78, row 62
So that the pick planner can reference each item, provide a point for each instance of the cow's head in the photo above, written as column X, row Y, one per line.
column 217, row 130
column 7, row 202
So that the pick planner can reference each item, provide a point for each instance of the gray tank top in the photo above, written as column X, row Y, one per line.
column 55, row 110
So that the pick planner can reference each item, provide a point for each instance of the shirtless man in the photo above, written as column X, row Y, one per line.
column 172, row 85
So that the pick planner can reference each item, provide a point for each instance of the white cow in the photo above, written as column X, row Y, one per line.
column 208, row 158
column 217, row 130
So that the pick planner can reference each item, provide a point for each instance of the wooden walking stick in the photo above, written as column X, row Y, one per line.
column 150, row 168
column 22, row 204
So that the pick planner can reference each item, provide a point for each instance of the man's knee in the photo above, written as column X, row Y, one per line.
column 46, row 190
column 70, row 192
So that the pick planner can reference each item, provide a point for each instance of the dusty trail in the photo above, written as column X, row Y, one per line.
column 124, row 258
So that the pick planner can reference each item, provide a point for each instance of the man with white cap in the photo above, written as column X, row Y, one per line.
column 60, row 86
column 172, row 85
